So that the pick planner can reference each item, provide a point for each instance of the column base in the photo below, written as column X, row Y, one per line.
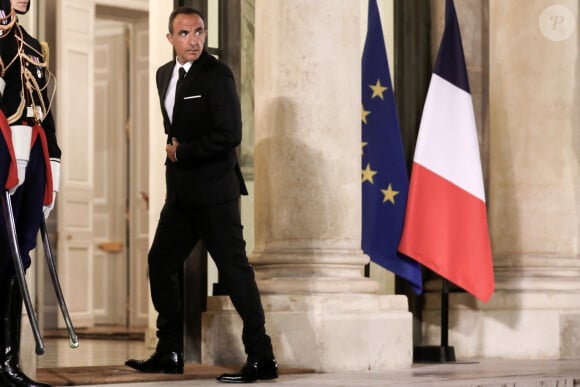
column 327, row 333
column 512, row 325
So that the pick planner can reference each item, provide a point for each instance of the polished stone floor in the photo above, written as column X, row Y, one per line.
column 484, row 373
column 90, row 352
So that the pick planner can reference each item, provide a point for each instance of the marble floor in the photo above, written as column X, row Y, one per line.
column 90, row 352
column 485, row 373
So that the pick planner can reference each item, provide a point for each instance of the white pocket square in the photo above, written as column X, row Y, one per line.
column 192, row 96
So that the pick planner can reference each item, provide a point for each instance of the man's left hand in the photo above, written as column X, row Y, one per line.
column 171, row 149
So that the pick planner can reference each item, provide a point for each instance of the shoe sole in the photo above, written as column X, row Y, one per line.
column 233, row 381
column 161, row 371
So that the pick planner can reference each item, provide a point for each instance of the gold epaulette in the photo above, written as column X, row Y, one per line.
column 45, row 52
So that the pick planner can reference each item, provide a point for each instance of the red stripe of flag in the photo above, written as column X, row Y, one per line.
column 446, row 230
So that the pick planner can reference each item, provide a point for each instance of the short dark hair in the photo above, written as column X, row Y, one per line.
column 185, row 11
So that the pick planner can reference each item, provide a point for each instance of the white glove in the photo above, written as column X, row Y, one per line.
column 21, row 137
column 55, row 168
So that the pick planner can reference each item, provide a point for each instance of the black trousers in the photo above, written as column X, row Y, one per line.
column 219, row 226
column 26, row 207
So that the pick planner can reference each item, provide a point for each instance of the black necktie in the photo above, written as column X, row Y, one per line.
column 180, row 79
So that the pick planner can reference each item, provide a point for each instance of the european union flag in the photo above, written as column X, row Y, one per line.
column 385, row 182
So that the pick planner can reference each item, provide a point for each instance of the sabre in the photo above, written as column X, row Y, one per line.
column 13, row 240
column 74, row 342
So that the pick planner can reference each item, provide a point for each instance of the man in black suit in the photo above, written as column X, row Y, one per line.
column 202, row 119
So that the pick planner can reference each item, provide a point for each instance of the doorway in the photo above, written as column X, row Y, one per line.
column 121, row 175
column 113, row 288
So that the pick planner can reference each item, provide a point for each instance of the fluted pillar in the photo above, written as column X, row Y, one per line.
column 321, row 311
column 307, row 148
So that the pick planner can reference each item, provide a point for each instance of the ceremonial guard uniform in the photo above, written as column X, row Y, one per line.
column 29, row 170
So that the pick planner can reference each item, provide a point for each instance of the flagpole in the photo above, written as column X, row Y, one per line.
column 445, row 319
column 442, row 353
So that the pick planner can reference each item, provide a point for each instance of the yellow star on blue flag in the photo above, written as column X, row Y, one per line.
column 386, row 185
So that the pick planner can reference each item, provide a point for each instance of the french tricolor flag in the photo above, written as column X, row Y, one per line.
column 445, row 225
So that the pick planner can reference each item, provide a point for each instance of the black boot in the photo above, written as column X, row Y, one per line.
column 10, row 315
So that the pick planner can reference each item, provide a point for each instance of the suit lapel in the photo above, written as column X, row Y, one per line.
column 196, row 69
column 165, row 74
column 165, row 78
column 189, row 79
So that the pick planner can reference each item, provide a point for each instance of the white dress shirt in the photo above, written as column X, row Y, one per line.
column 170, row 96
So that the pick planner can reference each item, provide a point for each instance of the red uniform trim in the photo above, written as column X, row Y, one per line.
column 38, row 131
column 12, row 177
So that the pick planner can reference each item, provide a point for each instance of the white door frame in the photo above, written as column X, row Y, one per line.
column 75, row 27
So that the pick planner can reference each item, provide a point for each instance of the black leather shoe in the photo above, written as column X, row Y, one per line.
column 252, row 371
column 167, row 362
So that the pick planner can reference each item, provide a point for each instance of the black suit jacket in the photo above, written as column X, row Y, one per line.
column 207, row 123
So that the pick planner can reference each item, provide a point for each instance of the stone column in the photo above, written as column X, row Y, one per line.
column 307, row 148
column 533, row 187
column 321, row 311
column 160, row 51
